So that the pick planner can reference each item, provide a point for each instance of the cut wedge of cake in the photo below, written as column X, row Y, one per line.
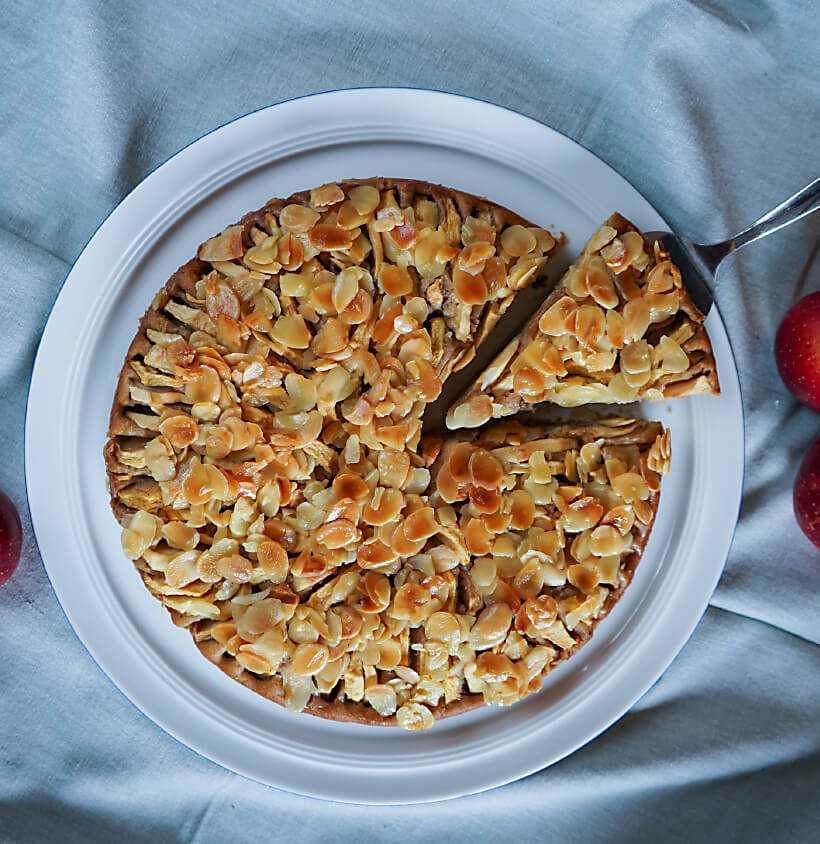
column 619, row 327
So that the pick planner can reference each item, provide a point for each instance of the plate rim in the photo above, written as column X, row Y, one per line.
column 667, row 659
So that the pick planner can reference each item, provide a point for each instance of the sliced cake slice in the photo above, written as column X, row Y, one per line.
column 619, row 327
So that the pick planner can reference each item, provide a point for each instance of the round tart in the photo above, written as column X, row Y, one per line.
column 267, row 463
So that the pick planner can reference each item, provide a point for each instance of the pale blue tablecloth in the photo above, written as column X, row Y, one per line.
column 712, row 109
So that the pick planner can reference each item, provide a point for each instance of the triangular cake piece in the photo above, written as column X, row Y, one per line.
column 619, row 327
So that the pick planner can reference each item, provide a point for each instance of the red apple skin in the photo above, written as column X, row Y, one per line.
column 807, row 493
column 11, row 538
column 797, row 350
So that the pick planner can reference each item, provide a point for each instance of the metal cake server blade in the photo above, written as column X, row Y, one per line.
column 698, row 262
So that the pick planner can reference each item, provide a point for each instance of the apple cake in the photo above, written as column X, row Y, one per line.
column 276, row 492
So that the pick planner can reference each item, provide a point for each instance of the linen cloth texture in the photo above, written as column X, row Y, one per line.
column 711, row 109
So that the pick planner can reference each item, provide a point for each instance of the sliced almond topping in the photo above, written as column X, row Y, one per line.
column 529, row 381
column 421, row 524
column 330, row 237
column 383, row 507
column 484, row 500
column 479, row 540
column 517, row 241
column 365, row 198
column 522, row 510
column 326, row 195
column 224, row 247
column 483, row 469
column 470, row 289
column 298, row 218
column 470, row 414
column 414, row 716
column 292, row 332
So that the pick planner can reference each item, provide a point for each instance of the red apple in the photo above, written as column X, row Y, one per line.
column 11, row 538
column 797, row 350
column 807, row 494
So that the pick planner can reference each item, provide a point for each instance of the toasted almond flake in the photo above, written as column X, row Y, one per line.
column 326, row 195
column 224, row 247
column 414, row 716
column 292, row 332
column 298, row 218
column 329, row 237
column 517, row 241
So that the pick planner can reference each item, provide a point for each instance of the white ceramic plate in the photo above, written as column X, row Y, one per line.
column 437, row 137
